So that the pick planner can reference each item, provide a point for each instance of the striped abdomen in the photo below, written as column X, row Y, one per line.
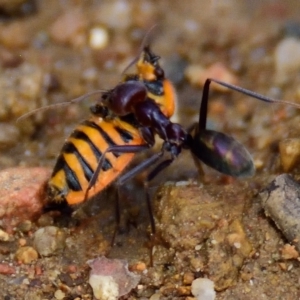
column 81, row 153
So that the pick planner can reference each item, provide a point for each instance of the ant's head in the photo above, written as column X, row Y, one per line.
column 148, row 66
column 177, row 137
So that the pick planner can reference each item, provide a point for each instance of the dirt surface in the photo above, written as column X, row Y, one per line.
column 53, row 51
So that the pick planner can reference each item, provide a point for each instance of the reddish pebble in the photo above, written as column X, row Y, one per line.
column 22, row 242
column 72, row 268
column 38, row 270
column 21, row 194
column 6, row 269
column 197, row 75
column 69, row 28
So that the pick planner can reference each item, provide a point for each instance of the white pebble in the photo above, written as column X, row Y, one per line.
column 203, row 289
column 59, row 295
column 104, row 287
column 287, row 58
column 99, row 38
column 4, row 236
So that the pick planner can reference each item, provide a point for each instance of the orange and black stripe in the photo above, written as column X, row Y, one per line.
column 81, row 153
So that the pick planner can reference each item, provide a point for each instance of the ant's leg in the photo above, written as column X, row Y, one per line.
column 205, row 94
column 127, row 176
column 119, row 149
column 146, row 164
column 251, row 93
column 198, row 164
column 163, row 165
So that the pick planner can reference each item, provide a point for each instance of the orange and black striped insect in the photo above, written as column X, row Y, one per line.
column 73, row 173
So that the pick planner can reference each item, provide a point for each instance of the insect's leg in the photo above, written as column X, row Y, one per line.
column 118, row 149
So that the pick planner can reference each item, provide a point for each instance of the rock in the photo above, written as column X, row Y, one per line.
column 115, row 14
column 197, row 75
column 281, row 202
column 69, row 28
column 203, row 289
column 59, row 295
column 287, row 59
column 99, row 38
column 188, row 214
column 4, row 236
column 26, row 255
column 21, row 194
column 289, row 252
column 9, row 135
column 110, row 278
column 48, row 240
column 21, row 89
column 228, row 248
column 6, row 269
column 289, row 150
column 14, row 35
column 207, row 218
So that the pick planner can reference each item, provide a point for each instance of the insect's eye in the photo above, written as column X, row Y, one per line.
column 159, row 73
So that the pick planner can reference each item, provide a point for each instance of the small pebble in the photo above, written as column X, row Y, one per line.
column 9, row 135
column 188, row 278
column 203, row 289
column 7, row 269
column 4, row 236
column 110, row 278
column 25, row 226
column 287, row 59
column 22, row 242
column 140, row 267
column 15, row 35
column 156, row 296
column 26, row 255
column 289, row 150
column 197, row 75
column 289, row 252
column 69, row 28
column 99, row 38
column 59, row 295
column 115, row 14
column 49, row 240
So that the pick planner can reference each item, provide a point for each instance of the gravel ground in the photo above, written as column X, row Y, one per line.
column 53, row 51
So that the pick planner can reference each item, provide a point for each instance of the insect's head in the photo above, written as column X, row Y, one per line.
column 148, row 67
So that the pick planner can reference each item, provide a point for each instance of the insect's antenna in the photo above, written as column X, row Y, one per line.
column 65, row 103
column 253, row 94
column 145, row 41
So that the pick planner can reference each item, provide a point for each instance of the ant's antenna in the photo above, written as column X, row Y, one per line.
column 51, row 106
column 145, row 41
